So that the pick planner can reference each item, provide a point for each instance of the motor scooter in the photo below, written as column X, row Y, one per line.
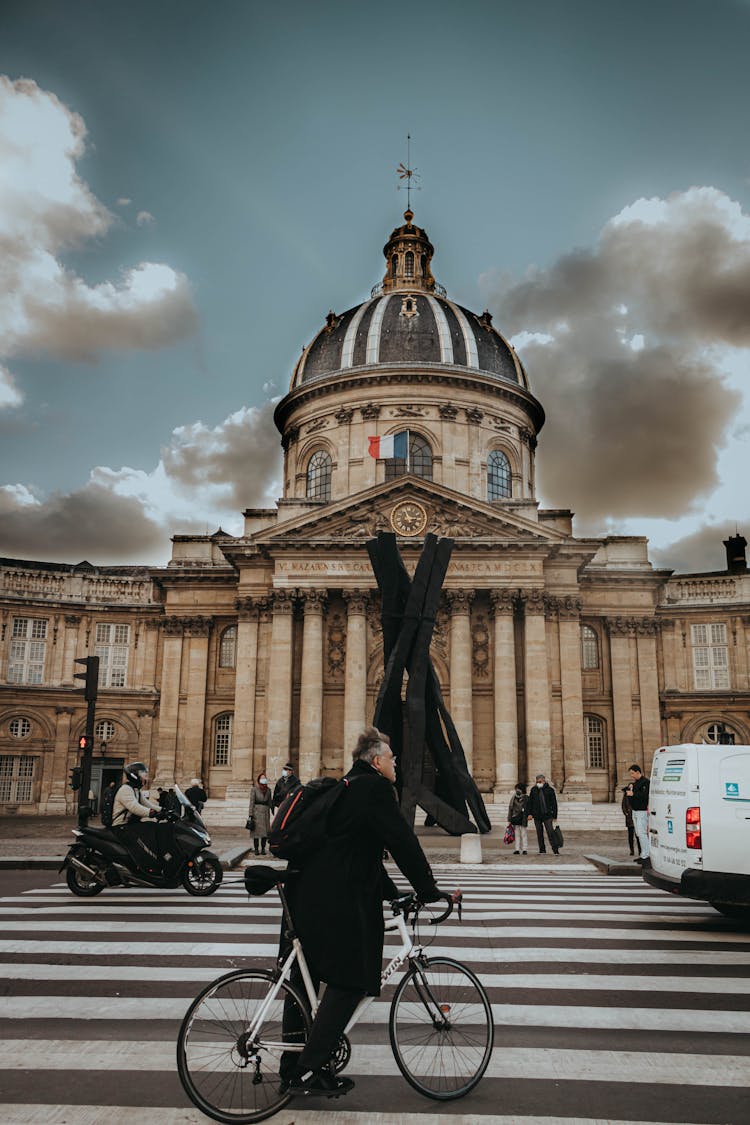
column 166, row 854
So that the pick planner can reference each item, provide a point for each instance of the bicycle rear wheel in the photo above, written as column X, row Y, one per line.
column 229, row 1067
column 441, row 1028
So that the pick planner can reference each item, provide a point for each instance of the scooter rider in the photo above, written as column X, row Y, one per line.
column 130, row 803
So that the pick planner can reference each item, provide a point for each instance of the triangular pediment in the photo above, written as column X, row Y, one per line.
column 411, row 507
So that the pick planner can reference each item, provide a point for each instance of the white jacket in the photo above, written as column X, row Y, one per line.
column 130, row 800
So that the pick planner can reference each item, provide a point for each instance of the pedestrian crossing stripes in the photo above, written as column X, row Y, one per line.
column 612, row 1001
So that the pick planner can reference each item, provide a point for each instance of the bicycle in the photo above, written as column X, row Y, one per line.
column 231, row 1040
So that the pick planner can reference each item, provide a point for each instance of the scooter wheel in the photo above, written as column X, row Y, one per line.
column 203, row 878
column 82, row 884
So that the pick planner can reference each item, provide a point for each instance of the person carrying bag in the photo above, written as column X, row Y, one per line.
column 518, row 819
column 258, row 821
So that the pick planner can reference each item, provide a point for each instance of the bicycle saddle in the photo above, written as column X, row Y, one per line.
column 259, row 879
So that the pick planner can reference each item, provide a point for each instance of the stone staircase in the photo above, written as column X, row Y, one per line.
column 575, row 816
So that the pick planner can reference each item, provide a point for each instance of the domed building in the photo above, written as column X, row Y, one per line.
column 410, row 413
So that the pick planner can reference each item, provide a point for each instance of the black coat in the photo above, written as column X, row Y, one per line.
column 336, row 899
column 535, row 802
column 283, row 787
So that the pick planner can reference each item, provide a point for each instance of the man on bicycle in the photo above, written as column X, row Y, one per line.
column 336, row 902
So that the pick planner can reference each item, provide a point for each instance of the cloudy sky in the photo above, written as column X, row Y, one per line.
column 187, row 188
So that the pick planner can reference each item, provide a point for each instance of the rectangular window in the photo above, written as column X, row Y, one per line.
column 710, row 656
column 16, row 778
column 595, row 751
column 28, row 648
column 113, row 650
column 222, row 740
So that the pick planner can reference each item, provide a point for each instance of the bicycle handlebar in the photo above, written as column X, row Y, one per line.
column 405, row 904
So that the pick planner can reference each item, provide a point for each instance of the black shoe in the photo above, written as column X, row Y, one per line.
column 321, row 1084
column 516, row 853
column 542, row 851
column 525, row 853
column 645, row 862
column 555, row 851
column 639, row 860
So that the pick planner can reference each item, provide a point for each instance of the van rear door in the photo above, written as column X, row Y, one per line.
column 674, row 789
column 725, row 808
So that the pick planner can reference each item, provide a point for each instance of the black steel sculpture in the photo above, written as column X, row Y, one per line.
column 408, row 616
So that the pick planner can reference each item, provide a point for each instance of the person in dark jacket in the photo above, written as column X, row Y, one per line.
column 195, row 793
column 518, row 816
column 627, row 812
column 336, row 902
column 638, row 794
column 543, row 808
column 286, row 784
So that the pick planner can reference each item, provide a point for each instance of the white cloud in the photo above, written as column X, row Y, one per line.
column 123, row 201
column 45, row 207
column 145, row 219
column 9, row 392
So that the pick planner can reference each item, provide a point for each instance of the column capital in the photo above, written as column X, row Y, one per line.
column 73, row 620
column 65, row 710
column 247, row 609
column 448, row 412
column 197, row 626
column 567, row 607
column 313, row 600
column 344, row 415
column 172, row 626
column 503, row 601
column 459, row 600
column 621, row 626
column 647, row 626
column 282, row 602
column 532, row 600
column 474, row 415
column 369, row 412
column 356, row 600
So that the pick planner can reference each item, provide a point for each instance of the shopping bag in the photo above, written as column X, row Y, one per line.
column 510, row 835
column 557, row 833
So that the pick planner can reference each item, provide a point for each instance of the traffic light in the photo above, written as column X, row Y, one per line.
column 85, row 743
column 76, row 775
column 90, row 676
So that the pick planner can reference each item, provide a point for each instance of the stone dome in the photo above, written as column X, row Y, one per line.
column 408, row 321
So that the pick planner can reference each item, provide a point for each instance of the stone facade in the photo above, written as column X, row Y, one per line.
column 573, row 657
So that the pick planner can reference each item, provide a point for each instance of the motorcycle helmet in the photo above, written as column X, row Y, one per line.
column 133, row 773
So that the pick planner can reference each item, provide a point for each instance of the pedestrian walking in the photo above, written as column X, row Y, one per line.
column 637, row 791
column 196, row 794
column 336, row 902
column 259, row 813
column 518, row 816
column 286, row 784
column 543, row 808
column 627, row 810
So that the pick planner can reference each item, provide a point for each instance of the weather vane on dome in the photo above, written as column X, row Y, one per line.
column 405, row 172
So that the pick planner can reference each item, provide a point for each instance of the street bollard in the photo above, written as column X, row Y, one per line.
column 471, row 848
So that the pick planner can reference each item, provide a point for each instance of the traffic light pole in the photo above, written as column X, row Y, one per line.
column 84, row 804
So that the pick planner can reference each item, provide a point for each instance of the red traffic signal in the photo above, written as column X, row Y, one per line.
column 85, row 743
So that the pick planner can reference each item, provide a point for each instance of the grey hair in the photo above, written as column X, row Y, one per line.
column 368, row 745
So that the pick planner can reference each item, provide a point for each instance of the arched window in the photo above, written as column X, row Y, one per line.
column 104, row 731
column 408, row 264
column 228, row 648
column 394, row 264
column 420, row 460
column 720, row 734
column 498, row 476
column 595, row 739
column 319, row 476
column 222, row 739
column 589, row 648
column 20, row 728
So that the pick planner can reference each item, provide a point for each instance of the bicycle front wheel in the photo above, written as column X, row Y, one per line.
column 236, row 1043
column 441, row 1028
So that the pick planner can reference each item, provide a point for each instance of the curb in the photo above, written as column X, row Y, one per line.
column 613, row 866
column 233, row 857
column 30, row 863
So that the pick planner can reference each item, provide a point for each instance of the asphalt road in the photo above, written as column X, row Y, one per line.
column 612, row 1002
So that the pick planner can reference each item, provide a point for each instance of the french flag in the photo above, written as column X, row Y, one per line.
column 387, row 448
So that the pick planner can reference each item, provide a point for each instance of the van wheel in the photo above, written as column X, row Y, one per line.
column 733, row 910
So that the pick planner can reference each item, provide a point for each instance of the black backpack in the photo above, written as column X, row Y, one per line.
column 108, row 801
column 300, row 826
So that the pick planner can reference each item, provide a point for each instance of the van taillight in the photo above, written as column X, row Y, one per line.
column 693, row 827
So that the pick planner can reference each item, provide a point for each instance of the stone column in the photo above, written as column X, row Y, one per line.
column 569, row 625
column 355, row 672
column 145, row 737
column 536, row 688
column 171, row 672
column 460, row 670
column 279, row 684
column 246, row 673
column 189, row 758
column 648, row 689
column 506, row 714
column 56, row 801
column 70, row 642
column 622, row 695
column 311, row 688
column 740, row 652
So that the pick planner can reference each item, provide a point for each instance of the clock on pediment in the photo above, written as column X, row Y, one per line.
column 409, row 518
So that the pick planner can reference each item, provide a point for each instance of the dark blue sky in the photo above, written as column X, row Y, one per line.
column 263, row 139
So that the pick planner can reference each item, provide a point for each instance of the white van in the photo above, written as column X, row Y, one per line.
column 699, row 825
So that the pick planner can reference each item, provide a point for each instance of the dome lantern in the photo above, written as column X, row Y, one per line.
column 408, row 253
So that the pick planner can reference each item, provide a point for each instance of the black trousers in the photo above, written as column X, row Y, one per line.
column 334, row 1012
column 632, row 838
column 540, row 826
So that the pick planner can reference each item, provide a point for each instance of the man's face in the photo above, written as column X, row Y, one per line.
column 143, row 774
column 540, row 781
column 385, row 763
column 634, row 775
